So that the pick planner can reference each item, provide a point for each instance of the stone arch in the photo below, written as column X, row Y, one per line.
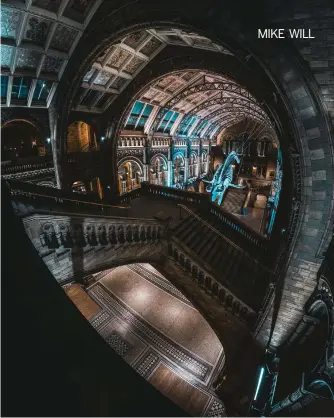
column 287, row 90
column 81, row 137
column 21, row 138
column 78, row 186
column 130, row 174
column 158, row 171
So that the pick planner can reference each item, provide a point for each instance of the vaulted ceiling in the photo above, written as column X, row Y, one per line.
column 39, row 36
column 120, row 63
column 194, row 103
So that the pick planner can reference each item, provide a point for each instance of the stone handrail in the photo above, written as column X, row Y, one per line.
column 12, row 169
column 50, row 197
column 80, row 243
column 241, row 250
column 202, row 201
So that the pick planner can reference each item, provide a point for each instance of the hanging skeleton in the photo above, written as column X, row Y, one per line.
column 222, row 178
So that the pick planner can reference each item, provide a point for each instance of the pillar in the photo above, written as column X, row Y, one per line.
column 186, row 170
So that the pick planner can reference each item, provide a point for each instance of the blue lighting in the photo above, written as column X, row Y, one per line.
column 222, row 178
column 48, row 140
column 259, row 383
column 102, row 138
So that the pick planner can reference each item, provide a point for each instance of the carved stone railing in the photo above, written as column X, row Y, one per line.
column 209, row 284
column 160, row 142
column 19, row 175
column 55, row 199
column 230, row 225
column 10, row 169
column 73, row 245
column 131, row 141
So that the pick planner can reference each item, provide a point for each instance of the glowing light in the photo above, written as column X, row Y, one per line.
column 48, row 140
column 102, row 138
column 254, row 167
column 259, row 383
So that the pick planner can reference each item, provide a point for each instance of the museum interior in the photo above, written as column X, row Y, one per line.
column 167, row 208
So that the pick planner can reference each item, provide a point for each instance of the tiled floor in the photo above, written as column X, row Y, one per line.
column 160, row 334
column 85, row 304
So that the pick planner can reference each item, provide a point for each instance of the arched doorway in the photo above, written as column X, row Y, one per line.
column 130, row 175
column 79, row 187
column 21, row 139
column 158, row 170
column 81, row 137
column 193, row 166
column 178, row 170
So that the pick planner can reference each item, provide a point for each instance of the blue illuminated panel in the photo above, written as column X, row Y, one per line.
column 20, row 90
column 4, row 85
column 42, row 91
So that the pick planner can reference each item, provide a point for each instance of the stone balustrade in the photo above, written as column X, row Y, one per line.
column 131, row 141
column 7, row 170
column 79, row 245
column 160, row 142
column 209, row 284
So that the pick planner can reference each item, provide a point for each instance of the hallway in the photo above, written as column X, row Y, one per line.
column 148, row 322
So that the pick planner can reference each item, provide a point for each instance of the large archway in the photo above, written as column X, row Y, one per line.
column 21, row 138
column 278, row 79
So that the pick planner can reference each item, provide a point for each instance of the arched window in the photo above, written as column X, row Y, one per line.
column 178, row 170
column 158, row 170
column 130, row 175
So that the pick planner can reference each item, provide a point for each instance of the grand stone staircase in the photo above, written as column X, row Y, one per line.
column 234, row 200
column 244, row 276
column 77, row 238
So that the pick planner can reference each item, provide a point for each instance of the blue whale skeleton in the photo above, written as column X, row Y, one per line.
column 222, row 178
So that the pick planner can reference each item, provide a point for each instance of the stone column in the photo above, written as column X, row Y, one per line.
column 186, row 170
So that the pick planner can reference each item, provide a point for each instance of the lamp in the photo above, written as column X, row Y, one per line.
column 102, row 138
column 48, row 140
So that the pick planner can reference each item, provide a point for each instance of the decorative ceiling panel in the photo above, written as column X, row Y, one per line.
column 175, row 39
column 88, row 75
column 117, row 83
column 133, row 65
column 174, row 86
column 51, row 64
column 52, row 5
column 151, row 46
column 104, row 100
column 149, row 94
column 103, row 78
column 6, row 55
column 63, row 38
column 118, row 58
column 188, row 75
column 27, row 58
column 126, row 57
column 165, row 81
column 106, row 52
column 203, row 43
column 37, row 30
column 78, row 9
column 10, row 19
column 134, row 39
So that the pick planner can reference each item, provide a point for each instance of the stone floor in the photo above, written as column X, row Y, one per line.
column 148, row 322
